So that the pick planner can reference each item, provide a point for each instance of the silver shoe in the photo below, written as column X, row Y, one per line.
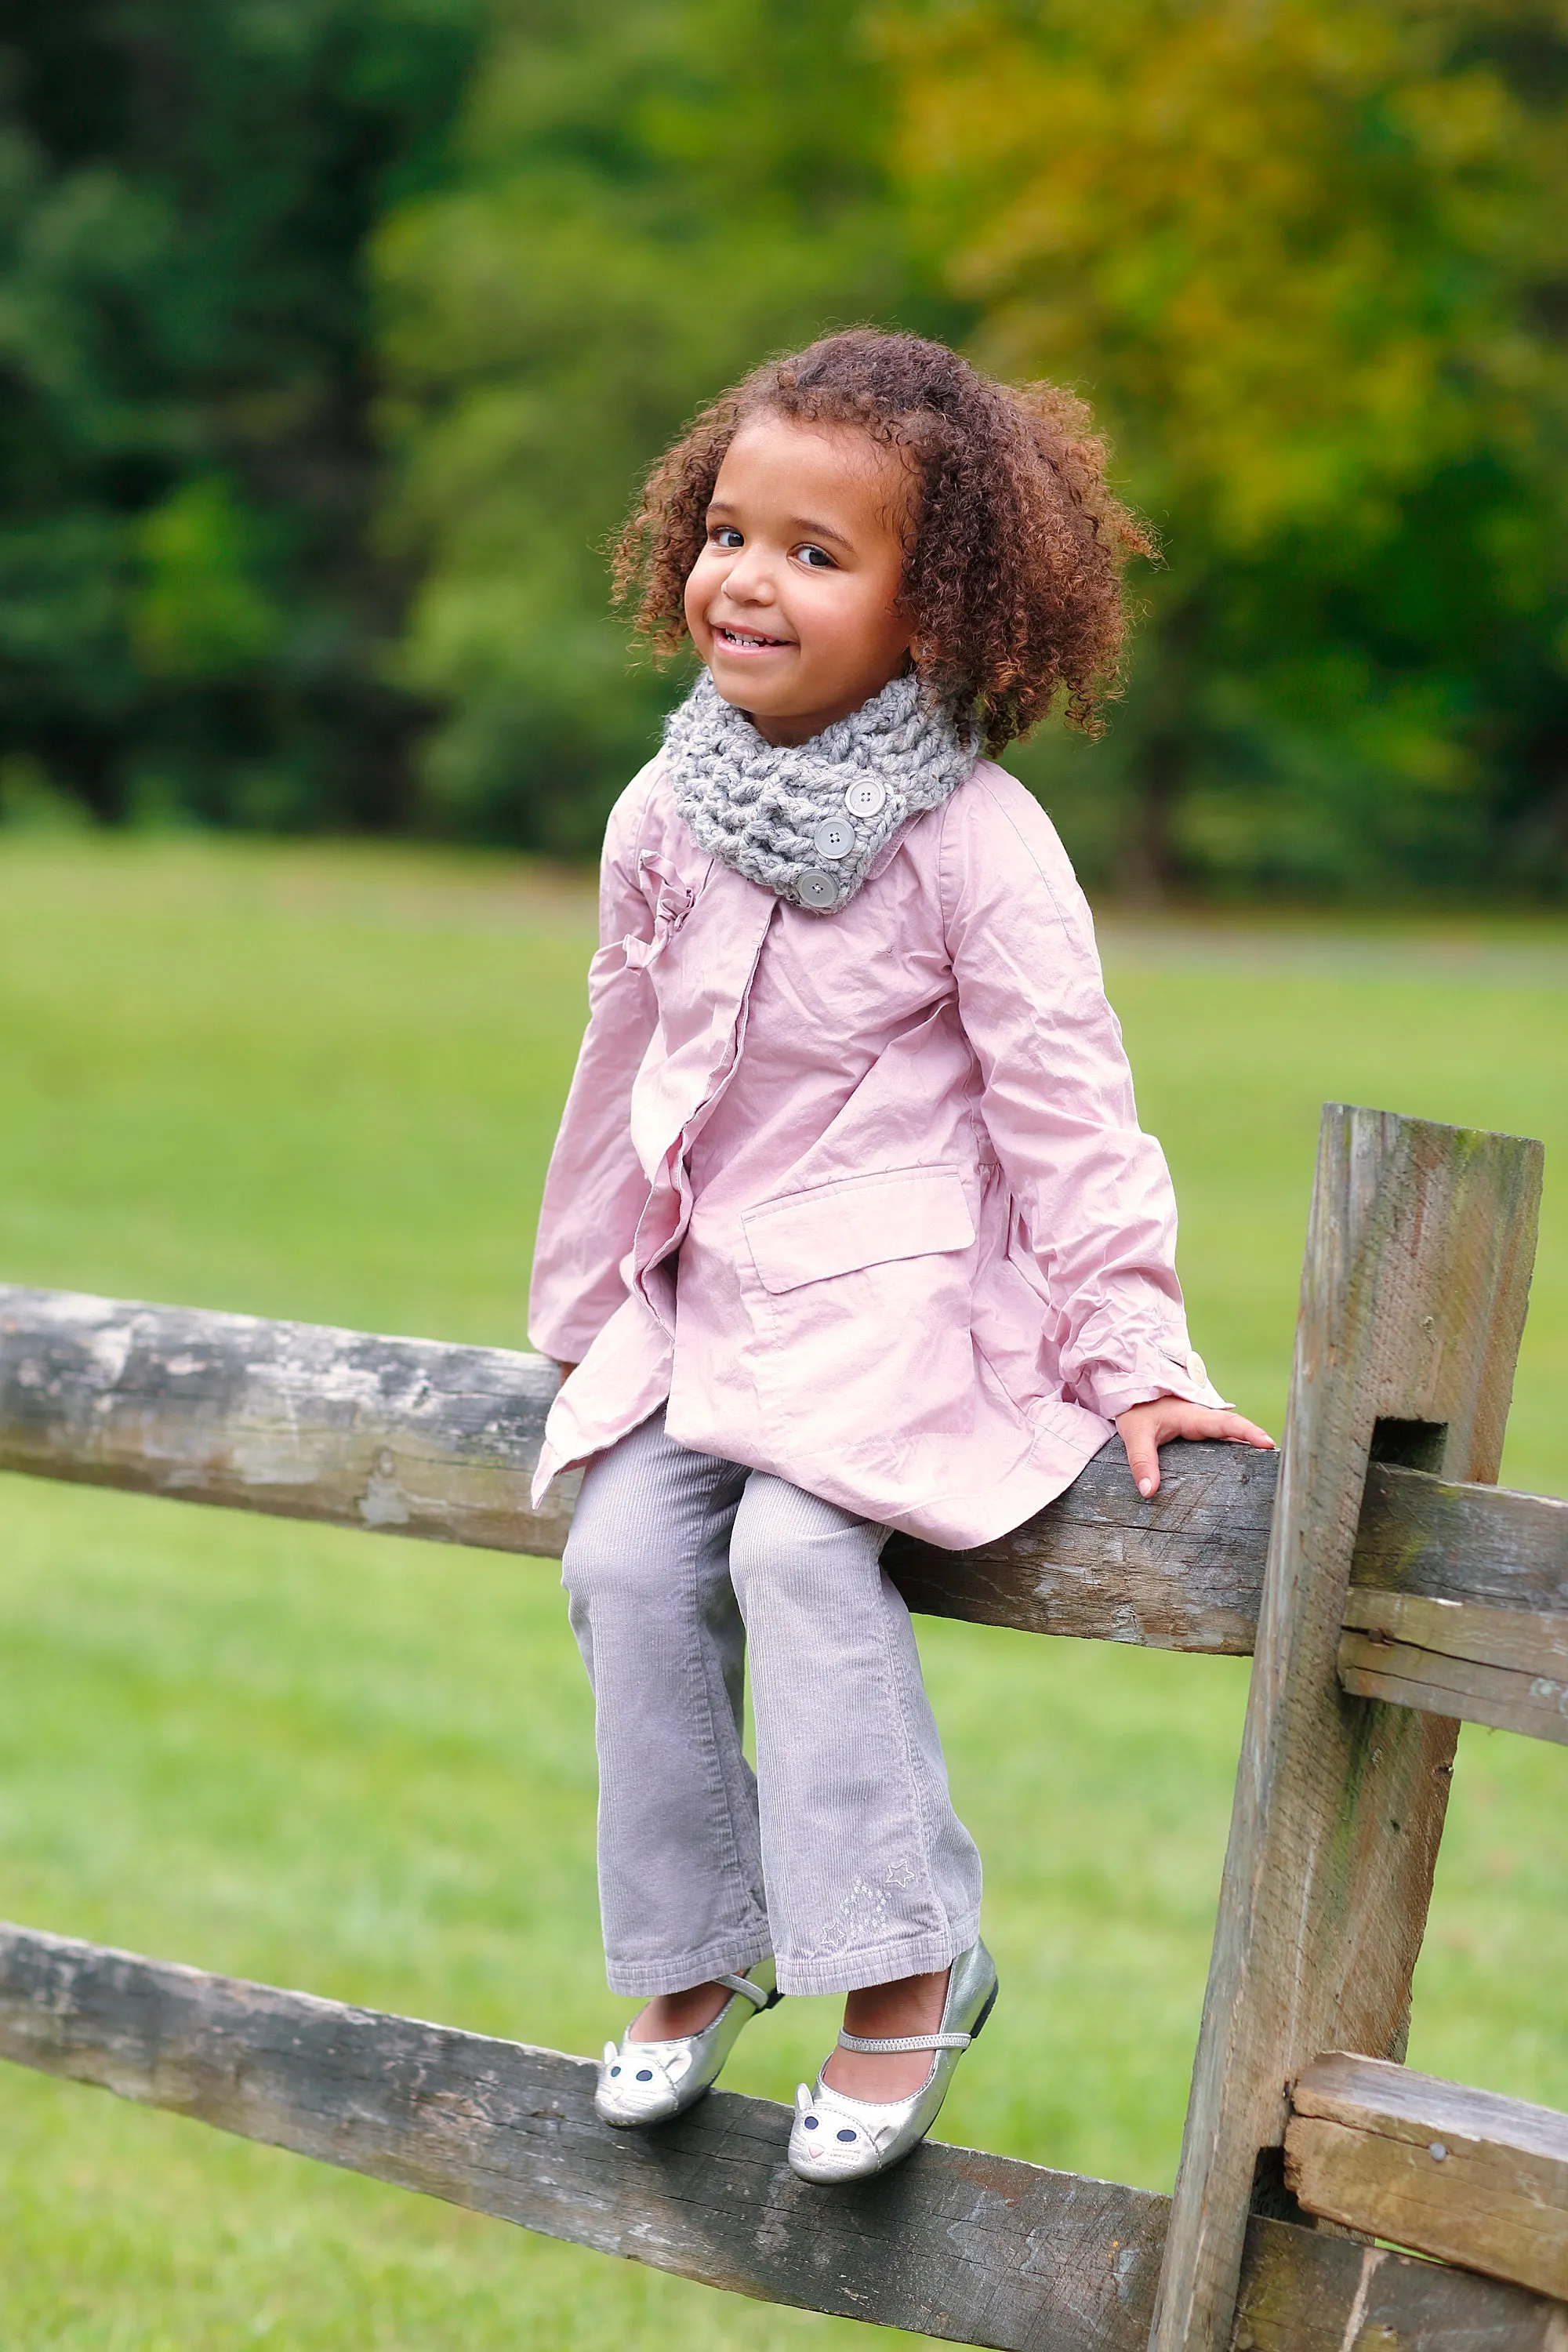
column 648, row 2082
column 839, row 2138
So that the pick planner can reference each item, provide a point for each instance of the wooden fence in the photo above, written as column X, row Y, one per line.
column 1388, row 1589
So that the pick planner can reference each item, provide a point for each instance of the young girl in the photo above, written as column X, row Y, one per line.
column 850, row 1224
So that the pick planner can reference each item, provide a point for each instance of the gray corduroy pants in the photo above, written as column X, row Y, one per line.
column 842, row 1855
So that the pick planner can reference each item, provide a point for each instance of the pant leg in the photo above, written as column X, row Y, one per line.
column 870, row 1875
column 647, row 1569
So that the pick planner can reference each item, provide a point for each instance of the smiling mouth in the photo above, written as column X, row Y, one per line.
column 746, row 641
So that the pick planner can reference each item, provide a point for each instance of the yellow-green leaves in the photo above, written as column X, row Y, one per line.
column 1308, row 259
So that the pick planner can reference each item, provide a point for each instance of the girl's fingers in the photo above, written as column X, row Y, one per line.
column 1142, row 1460
column 1145, row 1428
column 1246, row 1432
column 1208, row 1420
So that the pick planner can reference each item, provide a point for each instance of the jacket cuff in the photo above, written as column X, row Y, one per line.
column 1110, row 1390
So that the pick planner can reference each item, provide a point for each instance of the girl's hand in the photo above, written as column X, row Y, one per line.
column 1146, row 1427
column 565, row 1371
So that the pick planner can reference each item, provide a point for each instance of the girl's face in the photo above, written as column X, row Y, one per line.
column 794, row 601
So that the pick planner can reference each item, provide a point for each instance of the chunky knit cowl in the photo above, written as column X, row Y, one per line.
column 808, row 821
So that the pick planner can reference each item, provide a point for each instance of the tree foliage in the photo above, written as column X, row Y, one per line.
column 191, row 609
column 654, row 194
column 1310, row 258
column 334, row 335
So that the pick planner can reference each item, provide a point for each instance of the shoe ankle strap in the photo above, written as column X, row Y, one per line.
column 879, row 2045
column 754, row 1992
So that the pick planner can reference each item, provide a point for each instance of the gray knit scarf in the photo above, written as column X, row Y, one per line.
column 808, row 821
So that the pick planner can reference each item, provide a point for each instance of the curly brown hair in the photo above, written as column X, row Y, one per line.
column 1014, row 545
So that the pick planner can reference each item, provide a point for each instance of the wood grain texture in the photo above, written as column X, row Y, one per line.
column 407, row 1436
column 1303, row 2290
column 1183, row 1571
column 417, row 1437
column 1506, row 1667
column 1444, row 1540
column 1462, row 2174
column 978, row 2249
column 1438, row 1683
column 1416, row 1274
column 1528, row 1639
column 420, row 1437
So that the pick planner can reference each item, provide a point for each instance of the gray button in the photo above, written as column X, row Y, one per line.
column 816, row 889
column 866, row 798
column 834, row 839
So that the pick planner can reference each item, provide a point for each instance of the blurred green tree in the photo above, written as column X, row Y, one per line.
column 334, row 335
column 192, row 613
column 1309, row 261
column 654, row 194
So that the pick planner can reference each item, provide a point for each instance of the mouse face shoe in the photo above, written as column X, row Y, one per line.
column 839, row 2138
column 648, row 2082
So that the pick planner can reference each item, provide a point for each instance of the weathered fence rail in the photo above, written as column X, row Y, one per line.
column 417, row 1437
column 1387, row 1588
column 979, row 2249
column 1461, row 2173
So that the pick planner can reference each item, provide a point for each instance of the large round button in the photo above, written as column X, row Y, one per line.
column 834, row 839
column 816, row 889
column 868, row 797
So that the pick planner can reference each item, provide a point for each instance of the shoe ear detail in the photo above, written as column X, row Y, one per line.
column 837, row 2139
column 643, row 2083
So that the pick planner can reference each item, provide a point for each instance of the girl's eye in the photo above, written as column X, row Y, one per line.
column 724, row 534
column 817, row 558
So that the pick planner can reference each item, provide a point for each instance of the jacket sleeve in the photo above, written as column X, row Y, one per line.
column 1093, row 1189
column 595, row 1188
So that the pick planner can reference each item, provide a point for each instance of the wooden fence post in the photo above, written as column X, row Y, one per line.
column 1412, row 1298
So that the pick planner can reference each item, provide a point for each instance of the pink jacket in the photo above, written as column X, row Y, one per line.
column 863, row 1196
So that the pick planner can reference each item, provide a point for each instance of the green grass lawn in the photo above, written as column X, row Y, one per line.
column 322, row 1083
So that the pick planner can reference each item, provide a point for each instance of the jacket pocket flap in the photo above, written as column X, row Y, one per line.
column 863, row 1221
